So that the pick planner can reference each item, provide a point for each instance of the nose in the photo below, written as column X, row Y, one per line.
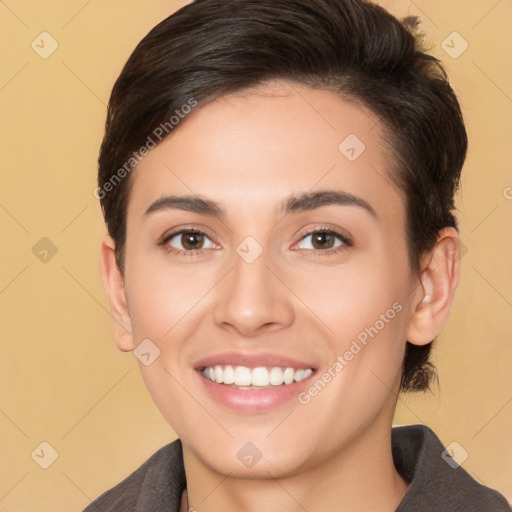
column 253, row 299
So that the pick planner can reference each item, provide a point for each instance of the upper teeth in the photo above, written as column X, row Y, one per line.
column 260, row 376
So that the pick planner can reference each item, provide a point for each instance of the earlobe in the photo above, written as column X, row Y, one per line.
column 438, row 282
column 113, row 282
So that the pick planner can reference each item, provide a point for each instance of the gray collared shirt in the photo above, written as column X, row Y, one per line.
column 435, row 485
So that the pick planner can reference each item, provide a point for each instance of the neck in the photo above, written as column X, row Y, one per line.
column 361, row 476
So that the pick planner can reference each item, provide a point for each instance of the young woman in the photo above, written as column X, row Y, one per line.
column 277, row 179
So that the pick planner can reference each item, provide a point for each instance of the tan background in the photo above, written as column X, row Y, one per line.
column 62, row 379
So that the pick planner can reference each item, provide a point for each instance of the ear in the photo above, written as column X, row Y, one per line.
column 433, row 299
column 113, row 281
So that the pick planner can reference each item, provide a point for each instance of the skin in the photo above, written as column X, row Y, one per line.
column 249, row 151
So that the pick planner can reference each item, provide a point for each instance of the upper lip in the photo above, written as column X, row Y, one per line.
column 251, row 360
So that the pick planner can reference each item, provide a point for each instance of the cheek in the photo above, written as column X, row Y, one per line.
column 160, row 300
column 169, row 388
column 363, row 312
column 362, row 374
column 348, row 299
column 162, row 309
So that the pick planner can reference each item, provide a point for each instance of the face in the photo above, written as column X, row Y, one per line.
column 295, row 257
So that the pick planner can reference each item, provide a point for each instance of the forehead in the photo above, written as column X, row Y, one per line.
column 254, row 147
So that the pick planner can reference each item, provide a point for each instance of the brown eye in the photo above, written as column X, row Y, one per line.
column 324, row 240
column 188, row 240
column 191, row 240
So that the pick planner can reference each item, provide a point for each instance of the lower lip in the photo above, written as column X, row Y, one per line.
column 253, row 400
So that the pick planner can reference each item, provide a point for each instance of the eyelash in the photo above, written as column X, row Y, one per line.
column 347, row 242
column 180, row 252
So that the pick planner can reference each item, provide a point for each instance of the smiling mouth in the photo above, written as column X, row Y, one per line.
column 261, row 377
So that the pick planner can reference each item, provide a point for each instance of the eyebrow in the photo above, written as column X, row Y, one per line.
column 293, row 204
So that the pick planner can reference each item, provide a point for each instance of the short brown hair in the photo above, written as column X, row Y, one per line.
column 355, row 48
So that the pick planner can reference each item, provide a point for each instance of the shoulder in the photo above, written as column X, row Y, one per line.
column 156, row 485
column 437, row 481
